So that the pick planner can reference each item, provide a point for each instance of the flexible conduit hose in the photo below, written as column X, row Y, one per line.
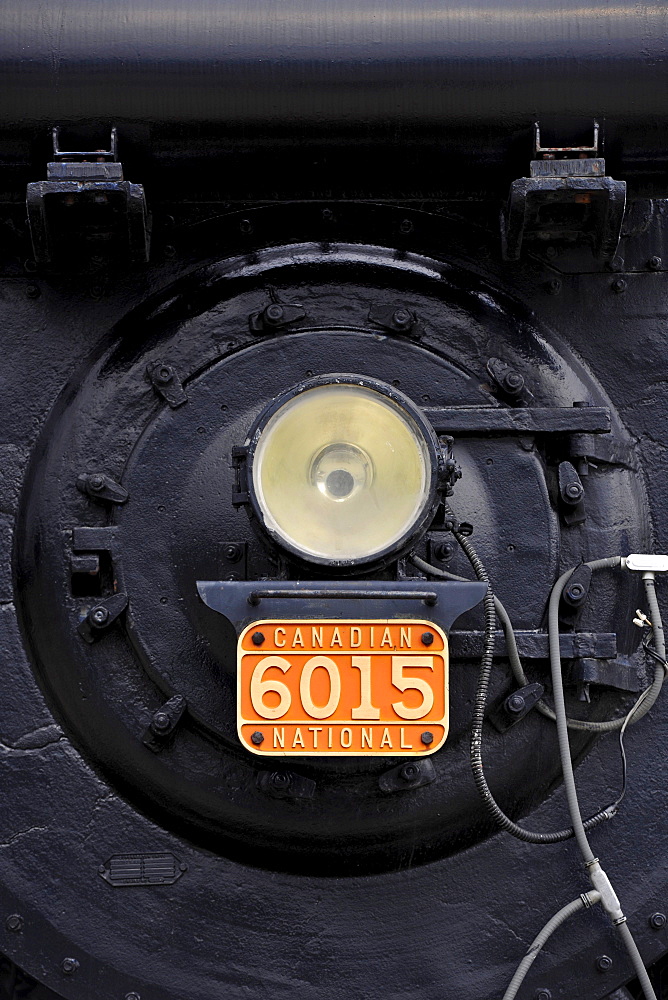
column 597, row 875
column 479, row 709
column 583, row 902
column 583, row 725
column 602, row 885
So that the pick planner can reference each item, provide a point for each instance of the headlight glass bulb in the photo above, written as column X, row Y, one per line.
column 342, row 472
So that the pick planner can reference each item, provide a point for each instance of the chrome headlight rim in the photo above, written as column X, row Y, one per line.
column 401, row 545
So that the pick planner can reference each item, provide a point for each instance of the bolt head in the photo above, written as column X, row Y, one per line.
column 406, row 226
column 515, row 702
column 618, row 285
column 99, row 616
column 161, row 721
column 575, row 591
column 233, row 553
column 274, row 313
column 654, row 263
column 657, row 921
column 96, row 483
column 543, row 995
column 427, row 638
column 280, row 779
column 164, row 374
column 69, row 966
column 574, row 491
column 132, row 996
column 401, row 318
column 443, row 551
column 14, row 923
column 409, row 772
column 513, row 382
column 603, row 963
column 257, row 738
column 258, row 638
column 427, row 738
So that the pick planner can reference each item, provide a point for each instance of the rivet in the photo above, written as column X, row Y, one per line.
column 618, row 285
column 69, row 966
column 409, row 772
column 654, row 263
column 543, row 994
column 132, row 996
column 406, row 226
column 657, row 920
column 14, row 922
column 233, row 553
column 603, row 963
column 33, row 291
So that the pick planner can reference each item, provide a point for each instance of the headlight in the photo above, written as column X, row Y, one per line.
column 343, row 470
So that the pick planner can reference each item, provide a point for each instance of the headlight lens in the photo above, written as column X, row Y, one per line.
column 343, row 472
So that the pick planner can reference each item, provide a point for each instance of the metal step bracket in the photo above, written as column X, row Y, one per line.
column 86, row 205
column 567, row 198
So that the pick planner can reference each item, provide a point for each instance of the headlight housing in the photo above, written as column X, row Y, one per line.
column 343, row 471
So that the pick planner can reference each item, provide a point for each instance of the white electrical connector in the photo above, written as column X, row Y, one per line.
column 642, row 562
column 642, row 621
column 601, row 883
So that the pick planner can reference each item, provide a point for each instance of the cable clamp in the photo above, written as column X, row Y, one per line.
column 619, row 920
column 587, row 900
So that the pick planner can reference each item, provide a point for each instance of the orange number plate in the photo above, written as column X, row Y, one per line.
column 334, row 688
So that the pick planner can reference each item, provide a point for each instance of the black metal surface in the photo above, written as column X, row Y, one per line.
column 242, row 603
column 439, row 89
column 144, row 855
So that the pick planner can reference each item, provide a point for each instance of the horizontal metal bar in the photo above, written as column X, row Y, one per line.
column 519, row 420
column 428, row 596
column 534, row 645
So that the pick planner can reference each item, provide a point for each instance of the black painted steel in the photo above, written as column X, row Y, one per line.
column 258, row 858
column 437, row 87
column 144, row 855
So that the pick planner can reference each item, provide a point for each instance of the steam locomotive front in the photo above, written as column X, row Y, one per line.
column 313, row 504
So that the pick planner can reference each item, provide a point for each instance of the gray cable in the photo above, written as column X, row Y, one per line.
column 655, row 616
column 583, row 725
column 583, row 902
column 478, row 717
column 636, row 959
column 610, row 901
column 653, row 690
column 642, row 706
